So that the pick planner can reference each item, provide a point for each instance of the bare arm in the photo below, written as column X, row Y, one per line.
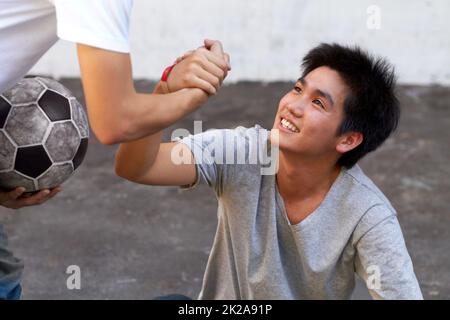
column 148, row 161
column 117, row 113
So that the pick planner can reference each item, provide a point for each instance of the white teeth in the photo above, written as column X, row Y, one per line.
column 286, row 124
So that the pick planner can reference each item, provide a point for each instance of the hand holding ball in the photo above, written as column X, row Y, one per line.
column 44, row 135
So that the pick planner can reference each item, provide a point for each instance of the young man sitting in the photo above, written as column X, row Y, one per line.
column 303, row 230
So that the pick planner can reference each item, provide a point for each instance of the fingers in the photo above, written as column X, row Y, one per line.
column 218, row 60
column 11, row 195
column 53, row 192
column 208, row 43
column 197, row 82
column 211, row 79
column 216, row 47
column 204, row 68
column 33, row 199
column 223, row 71
column 210, row 63
column 29, row 199
column 213, row 69
column 197, row 71
column 40, row 197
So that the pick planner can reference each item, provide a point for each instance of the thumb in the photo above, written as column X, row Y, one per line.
column 214, row 46
column 208, row 43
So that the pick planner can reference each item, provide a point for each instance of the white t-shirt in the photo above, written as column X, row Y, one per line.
column 28, row 28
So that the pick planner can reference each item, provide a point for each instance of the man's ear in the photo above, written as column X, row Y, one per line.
column 349, row 141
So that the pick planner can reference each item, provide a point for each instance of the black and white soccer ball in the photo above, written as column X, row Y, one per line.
column 44, row 135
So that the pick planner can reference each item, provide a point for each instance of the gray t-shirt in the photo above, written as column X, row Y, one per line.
column 258, row 254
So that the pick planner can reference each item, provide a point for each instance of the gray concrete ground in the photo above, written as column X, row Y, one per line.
column 137, row 242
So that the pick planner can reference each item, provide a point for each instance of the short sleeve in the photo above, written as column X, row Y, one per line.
column 224, row 156
column 383, row 261
column 99, row 23
column 206, row 148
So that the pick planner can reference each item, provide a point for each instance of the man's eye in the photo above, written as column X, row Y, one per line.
column 298, row 89
column 319, row 103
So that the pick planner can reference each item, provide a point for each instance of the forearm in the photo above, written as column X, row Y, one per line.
column 117, row 113
column 136, row 157
column 139, row 115
column 149, row 113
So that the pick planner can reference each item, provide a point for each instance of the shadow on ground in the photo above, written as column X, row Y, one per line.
column 138, row 242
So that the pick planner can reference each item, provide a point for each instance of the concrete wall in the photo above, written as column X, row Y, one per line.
column 267, row 38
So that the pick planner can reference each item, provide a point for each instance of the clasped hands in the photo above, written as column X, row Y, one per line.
column 204, row 68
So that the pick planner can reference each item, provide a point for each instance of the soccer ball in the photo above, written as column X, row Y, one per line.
column 43, row 135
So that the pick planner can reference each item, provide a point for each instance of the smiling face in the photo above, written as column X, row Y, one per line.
column 309, row 115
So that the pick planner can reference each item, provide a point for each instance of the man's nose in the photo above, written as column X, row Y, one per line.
column 296, row 108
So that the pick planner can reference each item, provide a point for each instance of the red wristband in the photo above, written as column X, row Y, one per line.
column 166, row 72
